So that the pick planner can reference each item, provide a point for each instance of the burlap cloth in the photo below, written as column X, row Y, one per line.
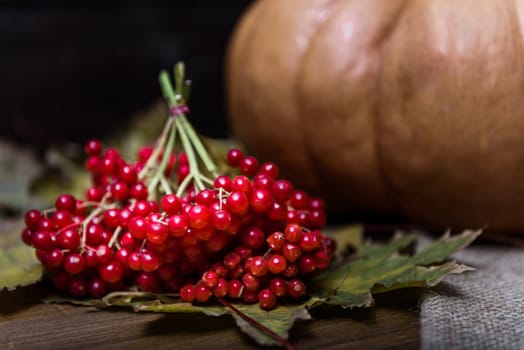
column 481, row 309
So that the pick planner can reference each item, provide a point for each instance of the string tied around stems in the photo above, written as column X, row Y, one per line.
column 179, row 110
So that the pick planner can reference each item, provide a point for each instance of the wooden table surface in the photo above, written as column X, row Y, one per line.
column 26, row 323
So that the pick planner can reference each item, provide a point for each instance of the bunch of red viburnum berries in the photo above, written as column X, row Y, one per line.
column 169, row 222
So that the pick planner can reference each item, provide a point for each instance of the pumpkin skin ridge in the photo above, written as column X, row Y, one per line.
column 316, row 173
column 392, row 200
column 242, row 55
column 381, row 192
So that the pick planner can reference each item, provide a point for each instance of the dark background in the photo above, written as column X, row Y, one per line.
column 70, row 70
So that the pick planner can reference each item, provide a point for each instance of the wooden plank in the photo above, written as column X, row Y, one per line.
column 27, row 324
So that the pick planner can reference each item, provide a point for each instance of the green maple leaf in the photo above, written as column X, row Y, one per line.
column 383, row 268
column 18, row 264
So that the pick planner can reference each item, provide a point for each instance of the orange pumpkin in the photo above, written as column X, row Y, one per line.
column 412, row 108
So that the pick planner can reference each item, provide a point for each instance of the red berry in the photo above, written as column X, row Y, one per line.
column 111, row 272
column 156, row 232
column 149, row 261
column 231, row 260
column 45, row 224
column 74, row 263
column 243, row 252
column 258, row 266
column 234, row 289
column 276, row 264
column 322, row 260
column 220, row 269
column 198, row 216
column 222, row 181
column 251, row 282
column 299, row 200
column 93, row 147
column 31, row 218
column 221, row 220
column 249, row 165
column 133, row 261
column 138, row 191
column 61, row 280
column 270, row 169
column 237, row 203
column 252, row 237
column 249, row 297
column 237, row 272
column 282, row 190
column 144, row 153
column 171, row 204
column 210, row 279
column 307, row 264
column 104, row 254
column 330, row 244
column 108, row 165
column 263, row 181
column 296, row 288
column 27, row 236
column 242, row 184
column 42, row 240
column 119, row 191
column 221, row 288
column 217, row 242
column 277, row 212
column 267, row 299
column 309, row 242
column 78, row 287
column 206, row 197
column 317, row 219
column 93, row 164
column 65, row 202
column 90, row 258
column 62, row 218
column 138, row 227
column 234, row 156
column 96, row 288
column 202, row 293
column 112, row 218
column 55, row 258
column 261, row 200
column 291, row 252
column 278, row 286
column 177, row 225
column 94, row 194
column 122, row 256
column 188, row 293
column 127, row 240
column 148, row 282
column 127, row 173
column 293, row 233
column 276, row 241
column 125, row 215
column 182, row 172
column 292, row 217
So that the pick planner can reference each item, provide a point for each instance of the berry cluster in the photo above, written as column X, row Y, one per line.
column 164, row 225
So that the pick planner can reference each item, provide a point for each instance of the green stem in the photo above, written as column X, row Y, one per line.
column 156, row 151
column 163, row 164
column 183, row 185
column 115, row 236
column 165, row 185
column 188, row 148
column 199, row 146
column 167, row 89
